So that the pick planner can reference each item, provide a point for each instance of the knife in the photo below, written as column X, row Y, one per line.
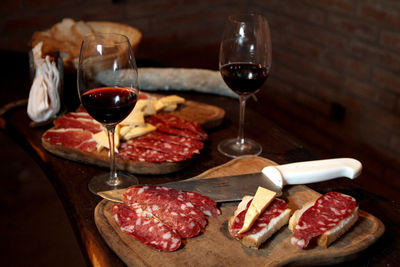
column 233, row 188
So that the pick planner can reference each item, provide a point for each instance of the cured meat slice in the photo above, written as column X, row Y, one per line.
column 179, row 127
column 165, row 147
column 130, row 151
column 325, row 214
column 274, row 209
column 67, row 122
column 185, row 226
column 201, row 202
column 179, row 123
column 175, row 131
column 163, row 196
column 174, row 139
column 75, row 138
column 143, row 226
column 83, row 115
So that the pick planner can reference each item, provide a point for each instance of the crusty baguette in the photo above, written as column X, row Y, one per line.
column 80, row 29
column 331, row 235
column 255, row 240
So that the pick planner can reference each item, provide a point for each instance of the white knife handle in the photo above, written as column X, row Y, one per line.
column 317, row 170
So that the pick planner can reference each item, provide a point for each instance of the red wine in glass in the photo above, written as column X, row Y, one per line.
column 244, row 64
column 244, row 78
column 109, row 105
column 108, row 100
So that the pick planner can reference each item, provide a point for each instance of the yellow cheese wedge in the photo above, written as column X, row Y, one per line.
column 139, row 131
column 145, row 106
column 134, row 119
column 261, row 200
column 102, row 139
column 170, row 108
column 124, row 130
column 172, row 100
column 168, row 103
column 158, row 105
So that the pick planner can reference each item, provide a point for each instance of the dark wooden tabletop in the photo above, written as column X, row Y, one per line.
column 70, row 178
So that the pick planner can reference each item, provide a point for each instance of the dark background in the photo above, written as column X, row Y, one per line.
column 334, row 83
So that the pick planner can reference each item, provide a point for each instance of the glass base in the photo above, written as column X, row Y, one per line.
column 100, row 183
column 232, row 147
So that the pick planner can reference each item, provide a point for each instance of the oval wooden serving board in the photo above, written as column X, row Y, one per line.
column 215, row 247
column 207, row 115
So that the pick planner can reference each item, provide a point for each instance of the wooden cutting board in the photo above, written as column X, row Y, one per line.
column 215, row 247
column 208, row 116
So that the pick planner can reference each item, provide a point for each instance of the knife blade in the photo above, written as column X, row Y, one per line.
column 233, row 188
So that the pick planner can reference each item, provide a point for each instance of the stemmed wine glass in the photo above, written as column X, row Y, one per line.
column 244, row 63
column 108, row 54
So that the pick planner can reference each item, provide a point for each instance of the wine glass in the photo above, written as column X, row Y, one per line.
column 108, row 54
column 244, row 63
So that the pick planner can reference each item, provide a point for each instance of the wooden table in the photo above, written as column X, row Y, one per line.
column 70, row 178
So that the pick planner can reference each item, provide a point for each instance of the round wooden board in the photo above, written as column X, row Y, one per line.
column 215, row 247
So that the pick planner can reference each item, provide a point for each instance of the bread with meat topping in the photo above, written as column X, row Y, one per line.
column 331, row 235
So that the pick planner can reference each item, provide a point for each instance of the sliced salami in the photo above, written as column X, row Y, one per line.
column 175, row 129
column 274, row 209
column 68, row 122
column 163, row 196
column 75, row 138
column 143, row 226
column 201, row 202
column 131, row 151
column 179, row 123
column 185, row 226
column 174, row 139
column 326, row 213
column 165, row 147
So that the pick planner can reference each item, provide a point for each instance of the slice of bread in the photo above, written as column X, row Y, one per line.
column 255, row 240
column 331, row 235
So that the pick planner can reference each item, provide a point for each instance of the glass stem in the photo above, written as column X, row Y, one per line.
column 242, row 101
column 113, row 180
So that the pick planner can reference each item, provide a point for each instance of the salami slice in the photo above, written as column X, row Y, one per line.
column 173, row 129
column 143, row 226
column 75, row 138
column 165, row 147
column 274, row 209
column 68, row 122
column 179, row 123
column 174, row 139
column 325, row 214
column 163, row 196
column 185, row 226
column 201, row 202
column 131, row 151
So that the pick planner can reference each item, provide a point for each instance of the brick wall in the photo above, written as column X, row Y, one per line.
column 336, row 63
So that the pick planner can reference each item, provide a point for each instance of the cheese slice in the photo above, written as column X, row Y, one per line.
column 139, row 131
column 158, row 105
column 145, row 106
column 172, row 100
column 168, row 103
column 261, row 200
column 134, row 119
column 102, row 139
column 170, row 108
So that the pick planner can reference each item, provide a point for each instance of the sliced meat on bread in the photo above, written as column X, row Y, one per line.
column 324, row 219
column 269, row 222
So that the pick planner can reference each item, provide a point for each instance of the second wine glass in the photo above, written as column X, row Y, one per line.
column 244, row 63
column 108, row 55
